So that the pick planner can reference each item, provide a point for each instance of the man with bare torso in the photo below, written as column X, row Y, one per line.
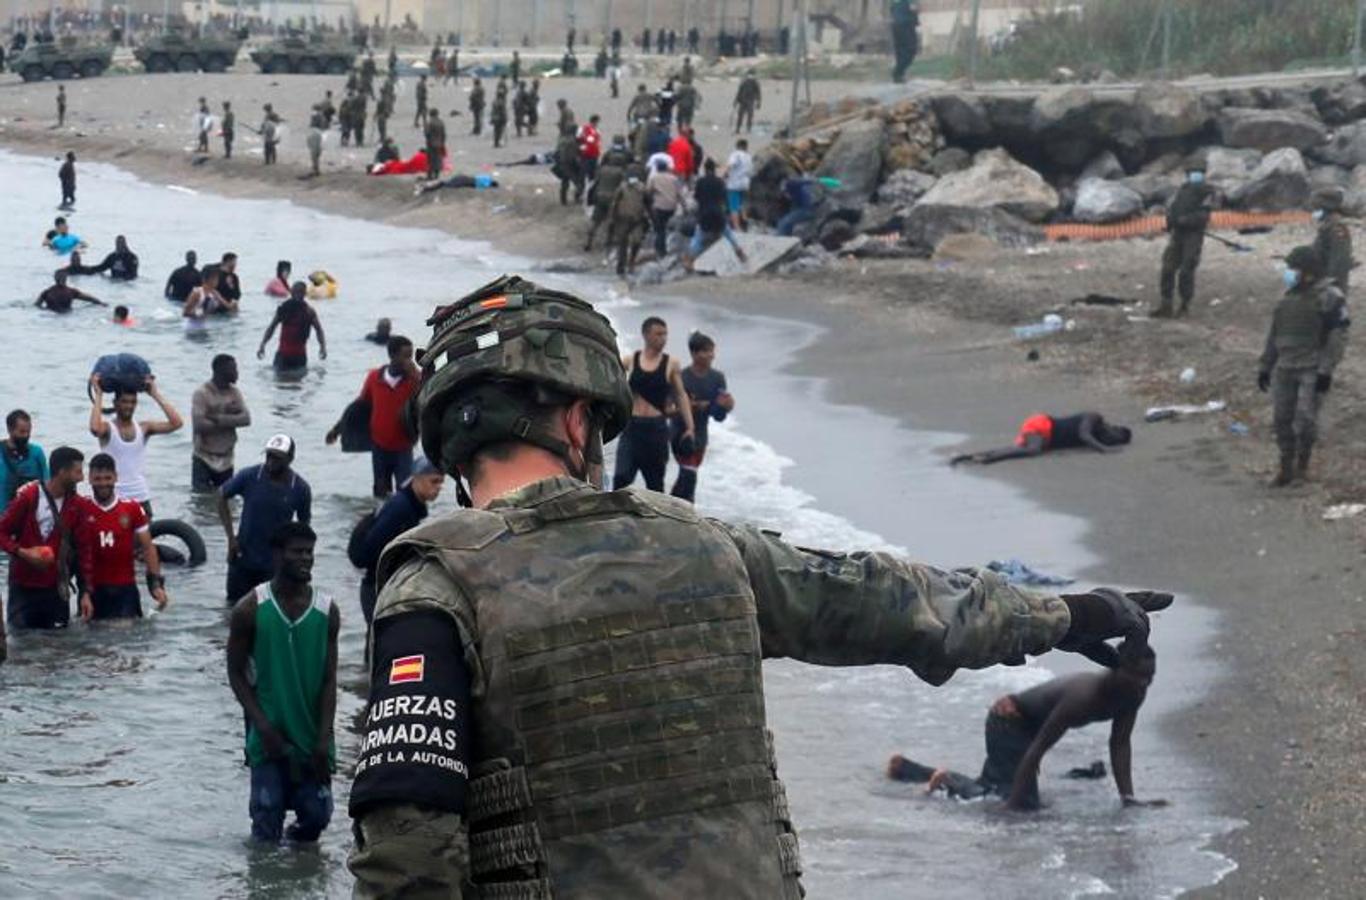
column 655, row 380
column 1022, row 727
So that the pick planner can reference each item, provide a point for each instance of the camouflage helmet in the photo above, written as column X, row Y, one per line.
column 502, row 351
column 1305, row 259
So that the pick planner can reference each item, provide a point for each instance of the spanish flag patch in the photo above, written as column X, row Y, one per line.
column 407, row 668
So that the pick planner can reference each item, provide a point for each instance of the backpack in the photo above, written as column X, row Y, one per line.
column 126, row 371
column 355, row 545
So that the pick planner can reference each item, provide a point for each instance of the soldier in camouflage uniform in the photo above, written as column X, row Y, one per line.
column 1187, row 219
column 1333, row 243
column 1305, row 344
column 477, row 105
column 566, row 685
column 384, row 109
column 628, row 219
column 611, row 173
column 748, row 98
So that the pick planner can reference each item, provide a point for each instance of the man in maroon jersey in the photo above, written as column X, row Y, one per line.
column 115, row 528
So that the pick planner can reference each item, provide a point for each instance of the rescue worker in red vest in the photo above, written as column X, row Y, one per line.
column 566, row 690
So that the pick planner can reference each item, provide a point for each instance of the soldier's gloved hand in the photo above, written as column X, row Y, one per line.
column 1323, row 384
column 1105, row 613
column 1263, row 381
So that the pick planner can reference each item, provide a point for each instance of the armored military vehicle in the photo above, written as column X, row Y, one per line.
column 305, row 55
column 181, row 52
column 62, row 60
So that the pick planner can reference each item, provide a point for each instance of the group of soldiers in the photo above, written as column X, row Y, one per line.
column 1309, row 327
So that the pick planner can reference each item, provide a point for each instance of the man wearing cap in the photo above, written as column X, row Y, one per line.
column 566, row 684
column 272, row 494
column 1333, row 243
column 1187, row 219
column 405, row 509
column 1305, row 344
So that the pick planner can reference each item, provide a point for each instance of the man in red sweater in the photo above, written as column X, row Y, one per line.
column 590, row 146
column 681, row 152
column 386, row 391
column 36, row 528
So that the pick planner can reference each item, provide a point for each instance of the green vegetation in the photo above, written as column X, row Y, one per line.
column 1222, row 37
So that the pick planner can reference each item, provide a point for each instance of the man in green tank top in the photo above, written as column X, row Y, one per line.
column 282, row 665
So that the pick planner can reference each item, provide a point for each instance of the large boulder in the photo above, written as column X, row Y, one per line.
column 1102, row 202
column 1227, row 169
column 1072, row 122
column 1345, row 147
column 996, row 180
column 1270, row 129
column 1329, row 176
column 948, row 161
column 1338, row 104
column 926, row 225
column 1155, row 189
column 1169, row 111
column 1011, row 117
column 904, row 187
column 1280, row 182
column 856, row 157
column 1105, row 166
column 962, row 117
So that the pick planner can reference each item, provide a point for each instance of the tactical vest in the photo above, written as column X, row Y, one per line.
column 619, row 746
column 1299, row 328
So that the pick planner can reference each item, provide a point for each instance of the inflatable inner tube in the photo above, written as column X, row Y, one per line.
column 190, row 549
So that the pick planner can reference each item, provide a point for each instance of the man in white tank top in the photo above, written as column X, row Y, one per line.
column 125, row 439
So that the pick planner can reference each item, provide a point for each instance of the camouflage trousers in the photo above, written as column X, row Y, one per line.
column 1296, row 408
column 1179, row 262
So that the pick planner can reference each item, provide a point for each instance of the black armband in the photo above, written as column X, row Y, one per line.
column 155, row 581
column 415, row 741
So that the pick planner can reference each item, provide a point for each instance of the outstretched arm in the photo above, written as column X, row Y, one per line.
column 1121, row 756
column 322, row 338
column 270, row 333
column 865, row 608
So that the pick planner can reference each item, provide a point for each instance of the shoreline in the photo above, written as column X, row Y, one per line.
column 1165, row 506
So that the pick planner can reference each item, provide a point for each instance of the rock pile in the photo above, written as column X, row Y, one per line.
column 1070, row 153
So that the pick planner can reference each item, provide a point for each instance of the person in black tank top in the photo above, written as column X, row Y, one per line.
column 644, row 445
column 1041, row 433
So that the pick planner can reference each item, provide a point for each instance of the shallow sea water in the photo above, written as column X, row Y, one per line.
column 120, row 774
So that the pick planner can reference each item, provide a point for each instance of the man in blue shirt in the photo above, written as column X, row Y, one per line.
column 272, row 494
column 20, row 460
column 405, row 509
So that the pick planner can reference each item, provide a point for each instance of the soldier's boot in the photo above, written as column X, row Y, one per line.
column 1184, row 308
column 1306, row 452
column 1164, row 309
column 1287, row 470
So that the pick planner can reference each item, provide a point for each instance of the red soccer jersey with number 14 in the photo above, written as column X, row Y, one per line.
column 111, row 534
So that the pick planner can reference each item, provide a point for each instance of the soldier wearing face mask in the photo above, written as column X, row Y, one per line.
column 1187, row 219
column 1305, row 344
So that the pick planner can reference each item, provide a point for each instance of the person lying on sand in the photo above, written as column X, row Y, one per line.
column 1041, row 433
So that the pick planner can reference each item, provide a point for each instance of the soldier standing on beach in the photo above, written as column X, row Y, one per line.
column 436, row 143
column 420, row 96
column 477, row 105
column 1187, row 219
column 552, row 616
column 61, row 105
column 1305, row 344
column 270, row 133
column 748, row 98
column 533, row 107
column 229, row 129
column 315, row 141
column 368, row 71
column 519, row 104
column 1333, row 243
column 499, row 117
column 384, row 108
column 358, row 114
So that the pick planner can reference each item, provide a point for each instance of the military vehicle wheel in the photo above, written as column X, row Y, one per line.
column 187, row 63
column 91, row 68
column 337, row 67
column 32, row 73
column 62, row 71
column 216, row 63
column 157, row 63
column 308, row 66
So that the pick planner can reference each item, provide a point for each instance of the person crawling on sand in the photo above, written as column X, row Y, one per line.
column 1022, row 727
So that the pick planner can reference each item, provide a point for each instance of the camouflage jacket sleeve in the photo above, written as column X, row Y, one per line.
column 410, row 853
column 865, row 608
column 402, row 850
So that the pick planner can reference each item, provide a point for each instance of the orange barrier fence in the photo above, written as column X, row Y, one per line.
column 1149, row 225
